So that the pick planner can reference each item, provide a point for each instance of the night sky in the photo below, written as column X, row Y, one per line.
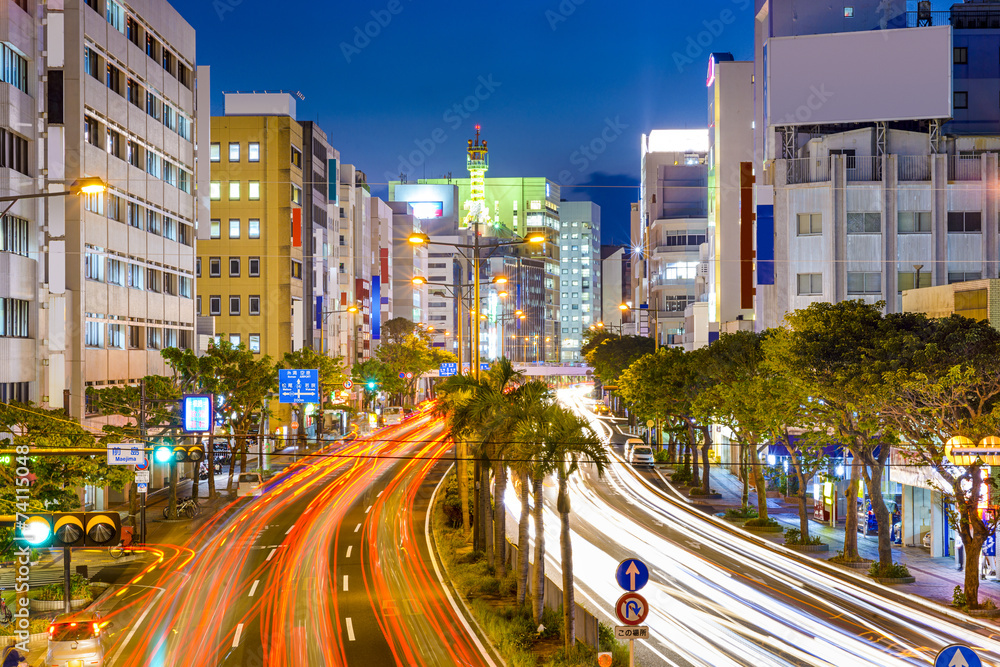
column 545, row 79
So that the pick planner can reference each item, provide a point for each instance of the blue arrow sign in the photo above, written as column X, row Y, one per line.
column 298, row 385
column 632, row 574
column 448, row 369
column 957, row 655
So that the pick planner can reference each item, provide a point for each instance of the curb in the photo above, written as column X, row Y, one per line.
column 889, row 581
column 763, row 529
column 56, row 605
column 808, row 548
column 984, row 613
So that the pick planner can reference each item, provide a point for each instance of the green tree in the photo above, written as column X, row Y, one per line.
column 373, row 376
column 331, row 375
column 609, row 354
column 952, row 389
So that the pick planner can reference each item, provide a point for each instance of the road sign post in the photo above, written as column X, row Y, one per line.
column 957, row 655
column 631, row 608
column 298, row 385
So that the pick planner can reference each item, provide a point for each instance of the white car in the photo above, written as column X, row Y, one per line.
column 641, row 455
column 250, row 484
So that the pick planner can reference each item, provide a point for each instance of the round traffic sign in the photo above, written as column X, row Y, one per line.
column 957, row 655
column 631, row 609
column 402, row 375
column 409, row 376
column 348, row 384
column 142, row 466
column 650, row 423
column 632, row 574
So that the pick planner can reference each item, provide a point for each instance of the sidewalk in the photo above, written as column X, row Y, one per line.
column 936, row 577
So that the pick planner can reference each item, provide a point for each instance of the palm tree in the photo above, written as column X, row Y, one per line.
column 572, row 442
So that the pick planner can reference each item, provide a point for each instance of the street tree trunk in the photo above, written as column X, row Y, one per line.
column 872, row 470
column 851, row 520
column 706, row 481
column 538, row 594
column 133, row 505
column 487, row 515
column 522, row 542
column 172, row 500
column 801, row 496
column 973, row 547
column 462, row 470
column 744, row 475
column 566, row 549
column 210, row 455
column 500, row 519
column 693, row 448
column 758, row 480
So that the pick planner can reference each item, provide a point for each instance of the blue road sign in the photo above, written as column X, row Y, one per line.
column 957, row 655
column 447, row 370
column 298, row 385
column 484, row 365
column 632, row 574
column 402, row 375
column 126, row 454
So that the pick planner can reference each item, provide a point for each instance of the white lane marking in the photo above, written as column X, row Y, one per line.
column 138, row 623
column 350, row 629
column 348, row 552
column 345, row 583
column 271, row 555
column 290, row 529
column 253, row 589
column 369, row 509
column 379, row 494
column 357, row 528
column 236, row 637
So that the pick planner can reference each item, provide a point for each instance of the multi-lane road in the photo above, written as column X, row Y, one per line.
column 329, row 566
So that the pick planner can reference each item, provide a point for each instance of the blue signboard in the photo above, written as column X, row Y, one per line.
column 632, row 574
column 447, row 370
column 484, row 365
column 957, row 655
column 196, row 411
column 298, row 385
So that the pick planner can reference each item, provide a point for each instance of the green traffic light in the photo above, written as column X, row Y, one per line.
column 371, row 384
column 164, row 454
column 36, row 531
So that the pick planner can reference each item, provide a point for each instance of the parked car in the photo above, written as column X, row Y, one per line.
column 76, row 639
column 641, row 455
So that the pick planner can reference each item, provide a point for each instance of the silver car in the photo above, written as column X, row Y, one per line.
column 76, row 640
column 641, row 455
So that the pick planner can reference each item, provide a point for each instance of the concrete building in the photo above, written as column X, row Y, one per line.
column 976, row 299
column 408, row 260
column 358, row 268
column 672, row 225
column 730, row 239
column 878, row 188
column 119, row 92
column 580, row 259
column 616, row 285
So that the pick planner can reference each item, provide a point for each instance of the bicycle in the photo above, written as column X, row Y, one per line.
column 6, row 615
column 187, row 506
column 124, row 546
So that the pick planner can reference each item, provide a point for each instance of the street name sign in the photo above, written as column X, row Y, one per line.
column 632, row 632
column 126, row 454
column 957, row 655
column 632, row 574
column 298, row 385
column 632, row 609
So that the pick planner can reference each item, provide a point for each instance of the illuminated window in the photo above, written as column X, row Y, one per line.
column 214, row 152
column 215, row 229
column 234, row 228
column 253, row 152
column 215, row 190
column 253, row 228
column 234, row 190
column 255, row 343
column 234, row 151
column 253, row 190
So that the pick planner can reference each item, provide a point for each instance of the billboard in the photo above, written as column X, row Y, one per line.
column 424, row 210
column 855, row 77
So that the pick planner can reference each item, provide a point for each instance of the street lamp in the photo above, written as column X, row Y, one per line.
column 90, row 185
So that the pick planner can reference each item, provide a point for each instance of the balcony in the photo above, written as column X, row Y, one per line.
column 807, row 170
column 913, row 167
column 965, row 168
column 958, row 18
column 863, row 168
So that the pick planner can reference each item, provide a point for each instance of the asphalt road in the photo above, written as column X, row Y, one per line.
column 721, row 597
column 330, row 566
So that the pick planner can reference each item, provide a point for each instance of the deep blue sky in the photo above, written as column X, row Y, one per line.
column 561, row 78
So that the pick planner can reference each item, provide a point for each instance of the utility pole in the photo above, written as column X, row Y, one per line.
column 142, row 438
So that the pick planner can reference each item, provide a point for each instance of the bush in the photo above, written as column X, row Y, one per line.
column 699, row 491
column 761, row 523
column 794, row 536
column 451, row 504
column 79, row 590
column 682, row 476
column 958, row 598
column 891, row 571
column 660, row 456
column 741, row 513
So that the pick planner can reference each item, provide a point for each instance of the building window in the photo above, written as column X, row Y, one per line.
column 234, row 151
column 255, row 343
column 905, row 280
column 93, row 335
column 134, row 93
column 14, row 318
column 169, row 228
column 116, row 336
column 914, row 222
column 153, row 280
column 864, row 282
column 296, row 269
column 214, row 267
column 184, row 76
column 132, row 30
column 215, row 191
column 961, row 55
column 93, row 264
column 253, row 190
column 134, row 154
column 154, row 338
column 91, row 63
column 116, row 272
column 810, row 224
column 215, row 305
column 255, row 304
column 234, row 228
column 253, row 152
column 151, row 47
column 234, row 267
column 296, row 157
column 113, row 79
column 184, row 287
column 215, row 229
column 197, row 267
column 14, row 151
column 234, row 340
column 810, row 283
column 964, row 276
column 965, row 222
column 14, row 235
column 15, row 69
column 253, row 270
column 168, row 61
column 152, row 222
column 134, row 337
column 296, row 194
column 864, row 223
column 253, row 228
column 197, row 305
column 234, row 305
column 961, row 100
column 91, row 131
column 214, row 152
column 234, row 190
column 152, row 105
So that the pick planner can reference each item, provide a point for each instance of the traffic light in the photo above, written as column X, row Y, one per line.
column 163, row 453
column 188, row 453
column 70, row 529
column 372, row 385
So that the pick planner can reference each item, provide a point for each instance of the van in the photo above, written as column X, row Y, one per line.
column 251, row 484
column 631, row 442
column 392, row 415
